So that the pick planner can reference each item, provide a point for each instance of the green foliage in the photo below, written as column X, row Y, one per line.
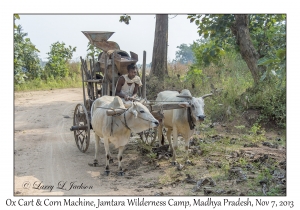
column 270, row 98
column 59, row 56
column 215, row 28
column 16, row 17
column 207, row 52
column 185, row 54
column 125, row 19
column 265, row 174
column 267, row 31
column 50, row 83
column 26, row 61
column 72, row 81
column 151, row 156
column 194, row 76
column 217, row 48
column 257, row 134
column 242, row 162
column 275, row 65
column 225, row 167
column 268, row 34
column 93, row 52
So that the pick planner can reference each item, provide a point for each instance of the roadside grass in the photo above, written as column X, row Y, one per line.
column 51, row 83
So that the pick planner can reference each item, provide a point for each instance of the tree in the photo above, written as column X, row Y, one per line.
column 16, row 17
column 185, row 53
column 254, row 36
column 240, row 29
column 160, row 46
column 59, row 55
column 26, row 60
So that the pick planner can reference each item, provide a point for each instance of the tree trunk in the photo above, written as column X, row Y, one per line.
column 241, row 31
column 160, row 47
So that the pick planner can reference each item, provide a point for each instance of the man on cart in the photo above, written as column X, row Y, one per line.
column 127, row 85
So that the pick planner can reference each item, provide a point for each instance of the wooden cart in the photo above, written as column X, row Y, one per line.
column 99, row 78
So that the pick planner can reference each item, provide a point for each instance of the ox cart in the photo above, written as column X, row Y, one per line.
column 99, row 78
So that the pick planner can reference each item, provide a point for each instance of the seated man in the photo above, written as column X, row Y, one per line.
column 127, row 85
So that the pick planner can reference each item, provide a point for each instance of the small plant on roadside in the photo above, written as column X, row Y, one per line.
column 243, row 162
column 265, row 174
column 225, row 167
column 151, row 156
column 257, row 134
column 241, row 128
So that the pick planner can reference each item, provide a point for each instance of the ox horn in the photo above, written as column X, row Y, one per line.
column 206, row 95
column 143, row 101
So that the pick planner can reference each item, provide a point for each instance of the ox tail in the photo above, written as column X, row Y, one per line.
column 92, row 109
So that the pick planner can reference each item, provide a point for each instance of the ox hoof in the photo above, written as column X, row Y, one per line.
column 174, row 163
column 121, row 173
column 111, row 160
column 188, row 162
column 168, row 154
column 94, row 164
column 107, row 172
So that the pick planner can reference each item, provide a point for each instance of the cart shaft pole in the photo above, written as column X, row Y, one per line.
column 82, row 82
column 144, row 76
column 105, row 75
column 113, row 75
column 92, row 85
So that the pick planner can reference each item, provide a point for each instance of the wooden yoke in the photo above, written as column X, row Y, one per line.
column 112, row 111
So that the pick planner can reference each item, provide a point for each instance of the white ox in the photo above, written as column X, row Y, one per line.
column 117, row 129
column 176, row 120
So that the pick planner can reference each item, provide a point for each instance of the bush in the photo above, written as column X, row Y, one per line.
column 271, row 101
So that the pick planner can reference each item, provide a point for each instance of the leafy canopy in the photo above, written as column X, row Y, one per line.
column 59, row 56
column 185, row 54
column 26, row 60
column 267, row 31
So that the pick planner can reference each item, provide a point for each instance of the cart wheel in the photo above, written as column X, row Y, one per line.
column 82, row 136
column 148, row 136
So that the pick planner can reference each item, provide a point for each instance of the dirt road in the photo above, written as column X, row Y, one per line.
column 48, row 162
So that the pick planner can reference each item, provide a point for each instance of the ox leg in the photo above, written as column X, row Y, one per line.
column 175, row 137
column 120, row 157
column 108, row 155
column 95, row 163
column 187, row 151
column 172, row 149
column 159, row 133
column 169, row 132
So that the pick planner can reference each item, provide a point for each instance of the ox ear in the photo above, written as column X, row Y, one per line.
column 184, row 104
column 206, row 95
column 134, row 112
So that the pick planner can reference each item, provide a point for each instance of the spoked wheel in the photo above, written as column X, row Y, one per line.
column 82, row 123
column 148, row 136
